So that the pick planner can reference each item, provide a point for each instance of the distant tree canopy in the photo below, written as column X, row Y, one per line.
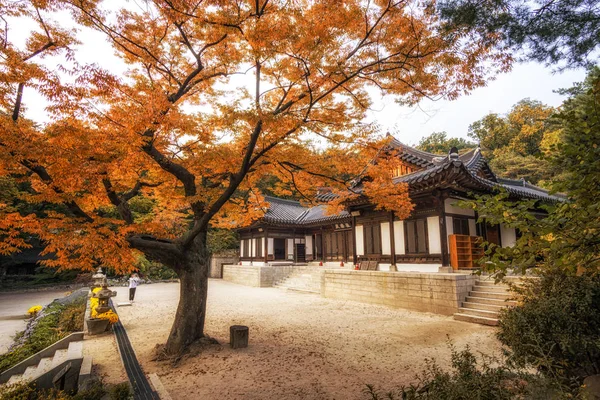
column 567, row 239
column 549, row 31
column 439, row 143
column 515, row 143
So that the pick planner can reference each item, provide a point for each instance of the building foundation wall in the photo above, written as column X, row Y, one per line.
column 439, row 293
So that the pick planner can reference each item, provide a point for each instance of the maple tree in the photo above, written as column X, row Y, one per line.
column 171, row 129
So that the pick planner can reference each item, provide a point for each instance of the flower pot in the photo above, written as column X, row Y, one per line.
column 96, row 325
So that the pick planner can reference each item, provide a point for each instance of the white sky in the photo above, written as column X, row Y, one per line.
column 531, row 80
column 408, row 124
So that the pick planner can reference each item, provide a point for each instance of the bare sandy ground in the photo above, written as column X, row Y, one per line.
column 301, row 345
column 13, row 309
column 106, row 360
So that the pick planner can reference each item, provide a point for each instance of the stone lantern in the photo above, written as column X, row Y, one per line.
column 103, row 295
column 98, row 278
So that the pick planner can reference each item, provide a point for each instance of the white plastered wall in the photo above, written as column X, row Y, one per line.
column 472, row 227
column 433, row 230
column 290, row 249
column 452, row 209
column 360, row 244
column 508, row 236
column 386, row 245
column 449, row 229
column 253, row 248
column 399, row 237
column 309, row 245
column 242, row 248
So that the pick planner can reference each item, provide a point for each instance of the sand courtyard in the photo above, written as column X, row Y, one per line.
column 301, row 346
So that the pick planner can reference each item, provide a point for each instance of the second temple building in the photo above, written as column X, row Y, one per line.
column 438, row 234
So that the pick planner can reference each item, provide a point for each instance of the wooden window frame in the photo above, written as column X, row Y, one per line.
column 464, row 221
column 416, row 235
column 369, row 240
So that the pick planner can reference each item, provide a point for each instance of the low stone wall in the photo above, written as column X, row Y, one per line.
column 440, row 293
column 217, row 261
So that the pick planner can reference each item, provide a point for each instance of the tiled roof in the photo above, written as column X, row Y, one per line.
column 465, row 171
column 291, row 212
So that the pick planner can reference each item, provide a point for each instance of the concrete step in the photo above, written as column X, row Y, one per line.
column 476, row 319
column 60, row 356
column 75, row 350
column 15, row 379
column 44, row 365
column 479, row 306
column 478, row 313
column 492, row 301
column 30, row 373
column 490, row 295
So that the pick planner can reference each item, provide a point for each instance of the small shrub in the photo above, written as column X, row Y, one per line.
column 94, row 391
column 556, row 327
column 71, row 318
column 120, row 391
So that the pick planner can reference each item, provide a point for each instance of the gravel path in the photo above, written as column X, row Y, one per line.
column 302, row 346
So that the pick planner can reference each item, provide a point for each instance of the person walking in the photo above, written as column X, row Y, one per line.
column 134, row 281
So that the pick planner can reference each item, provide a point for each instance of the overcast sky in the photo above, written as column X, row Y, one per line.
column 409, row 125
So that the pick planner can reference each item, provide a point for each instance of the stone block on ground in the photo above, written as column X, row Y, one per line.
column 238, row 336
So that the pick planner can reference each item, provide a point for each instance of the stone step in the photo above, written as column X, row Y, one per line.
column 490, row 295
column 491, row 283
column 492, row 301
column 494, row 289
column 479, row 306
column 303, row 290
column 478, row 313
column 476, row 319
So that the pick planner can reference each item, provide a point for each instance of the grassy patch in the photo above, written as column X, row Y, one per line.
column 52, row 324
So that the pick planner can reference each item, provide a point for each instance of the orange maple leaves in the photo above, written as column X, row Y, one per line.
column 180, row 130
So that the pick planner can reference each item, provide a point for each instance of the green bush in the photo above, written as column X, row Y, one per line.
column 53, row 323
column 469, row 381
column 556, row 326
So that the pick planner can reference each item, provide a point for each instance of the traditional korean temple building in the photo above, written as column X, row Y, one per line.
column 437, row 234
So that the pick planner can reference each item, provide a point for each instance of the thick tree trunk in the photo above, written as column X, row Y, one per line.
column 191, row 266
column 191, row 311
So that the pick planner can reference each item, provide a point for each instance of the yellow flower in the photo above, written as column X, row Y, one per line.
column 34, row 310
column 110, row 316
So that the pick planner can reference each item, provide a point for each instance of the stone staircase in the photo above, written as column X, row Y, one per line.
column 484, row 302
column 302, row 279
column 44, row 373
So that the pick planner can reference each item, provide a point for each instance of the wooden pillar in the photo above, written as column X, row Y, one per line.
column 392, row 238
column 294, row 244
column 266, row 246
column 354, row 256
column 443, row 231
column 477, row 225
column 252, row 246
column 323, row 258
